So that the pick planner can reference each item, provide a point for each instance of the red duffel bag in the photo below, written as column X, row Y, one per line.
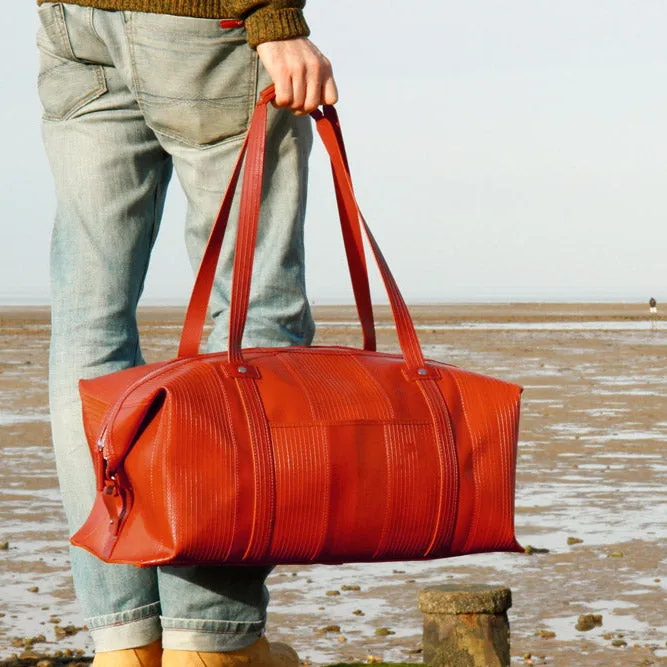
column 298, row 454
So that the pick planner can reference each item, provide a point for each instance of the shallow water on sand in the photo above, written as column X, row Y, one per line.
column 591, row 466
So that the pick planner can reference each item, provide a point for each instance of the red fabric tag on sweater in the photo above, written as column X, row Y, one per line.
column 231, row 23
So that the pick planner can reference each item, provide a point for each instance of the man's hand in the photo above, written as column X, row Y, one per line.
column 301, row 74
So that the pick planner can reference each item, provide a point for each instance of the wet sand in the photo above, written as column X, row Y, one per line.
column 591, row 467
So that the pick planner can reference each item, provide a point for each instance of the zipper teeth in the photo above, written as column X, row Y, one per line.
column 100, row 440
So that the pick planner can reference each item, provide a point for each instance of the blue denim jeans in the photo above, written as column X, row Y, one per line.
column 128, row 96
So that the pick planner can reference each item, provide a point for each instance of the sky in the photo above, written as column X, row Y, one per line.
column 501, row 151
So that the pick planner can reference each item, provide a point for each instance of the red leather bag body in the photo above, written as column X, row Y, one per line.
column 298, row 455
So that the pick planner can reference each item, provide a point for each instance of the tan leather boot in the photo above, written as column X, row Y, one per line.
column 143, row 656
column 260, row 654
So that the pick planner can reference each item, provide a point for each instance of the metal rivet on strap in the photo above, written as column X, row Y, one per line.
column 422, row 371
column 242, row 369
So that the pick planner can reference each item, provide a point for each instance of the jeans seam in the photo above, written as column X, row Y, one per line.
column 62, row 29
column 128, row 29
column 141, row 617
column 240, row 626
column 91, row 26
column 202, row 631
column 198, row 147
column 153, row 236
column 254, row 93
column 117, row 624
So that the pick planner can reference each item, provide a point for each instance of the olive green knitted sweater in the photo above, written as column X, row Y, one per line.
column 265, row 20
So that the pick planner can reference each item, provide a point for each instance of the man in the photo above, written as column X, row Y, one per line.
column 130, row 90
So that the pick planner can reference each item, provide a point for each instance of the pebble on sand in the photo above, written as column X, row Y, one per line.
column 66, row 631
column 27, row 642
column 60, row 658
column 574, row 540
column 588, row 622
column 529, row 550
column 331, row 628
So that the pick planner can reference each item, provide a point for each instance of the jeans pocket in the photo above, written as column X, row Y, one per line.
column 65, row 84
column 196, row 81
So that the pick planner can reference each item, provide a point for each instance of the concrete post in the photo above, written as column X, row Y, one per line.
column 466, row 626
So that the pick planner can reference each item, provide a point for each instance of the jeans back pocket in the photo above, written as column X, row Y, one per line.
column 196, row 80
column 65, row 84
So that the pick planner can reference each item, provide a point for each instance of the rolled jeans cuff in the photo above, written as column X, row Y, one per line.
column 182, row 634
column 127, row 629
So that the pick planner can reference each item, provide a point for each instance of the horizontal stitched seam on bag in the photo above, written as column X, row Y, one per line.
column 367, row 422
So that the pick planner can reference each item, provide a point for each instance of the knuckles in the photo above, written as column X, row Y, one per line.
column 306, row 72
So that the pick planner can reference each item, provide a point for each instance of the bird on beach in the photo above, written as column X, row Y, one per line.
column 653, row 306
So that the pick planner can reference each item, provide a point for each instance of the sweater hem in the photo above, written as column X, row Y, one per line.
column 264, row 25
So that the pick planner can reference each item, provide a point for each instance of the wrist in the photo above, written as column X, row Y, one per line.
column 270, row 25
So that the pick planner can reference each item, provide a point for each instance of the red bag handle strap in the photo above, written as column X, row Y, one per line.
column 195, row 316
column 196, row 313
column 247, row 233
column 354, row 245
column 405, row 328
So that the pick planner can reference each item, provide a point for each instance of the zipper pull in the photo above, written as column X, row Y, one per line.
column 114, row 503
column 101, row 440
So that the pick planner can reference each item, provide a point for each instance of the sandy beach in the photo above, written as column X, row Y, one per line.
column 591, row 492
